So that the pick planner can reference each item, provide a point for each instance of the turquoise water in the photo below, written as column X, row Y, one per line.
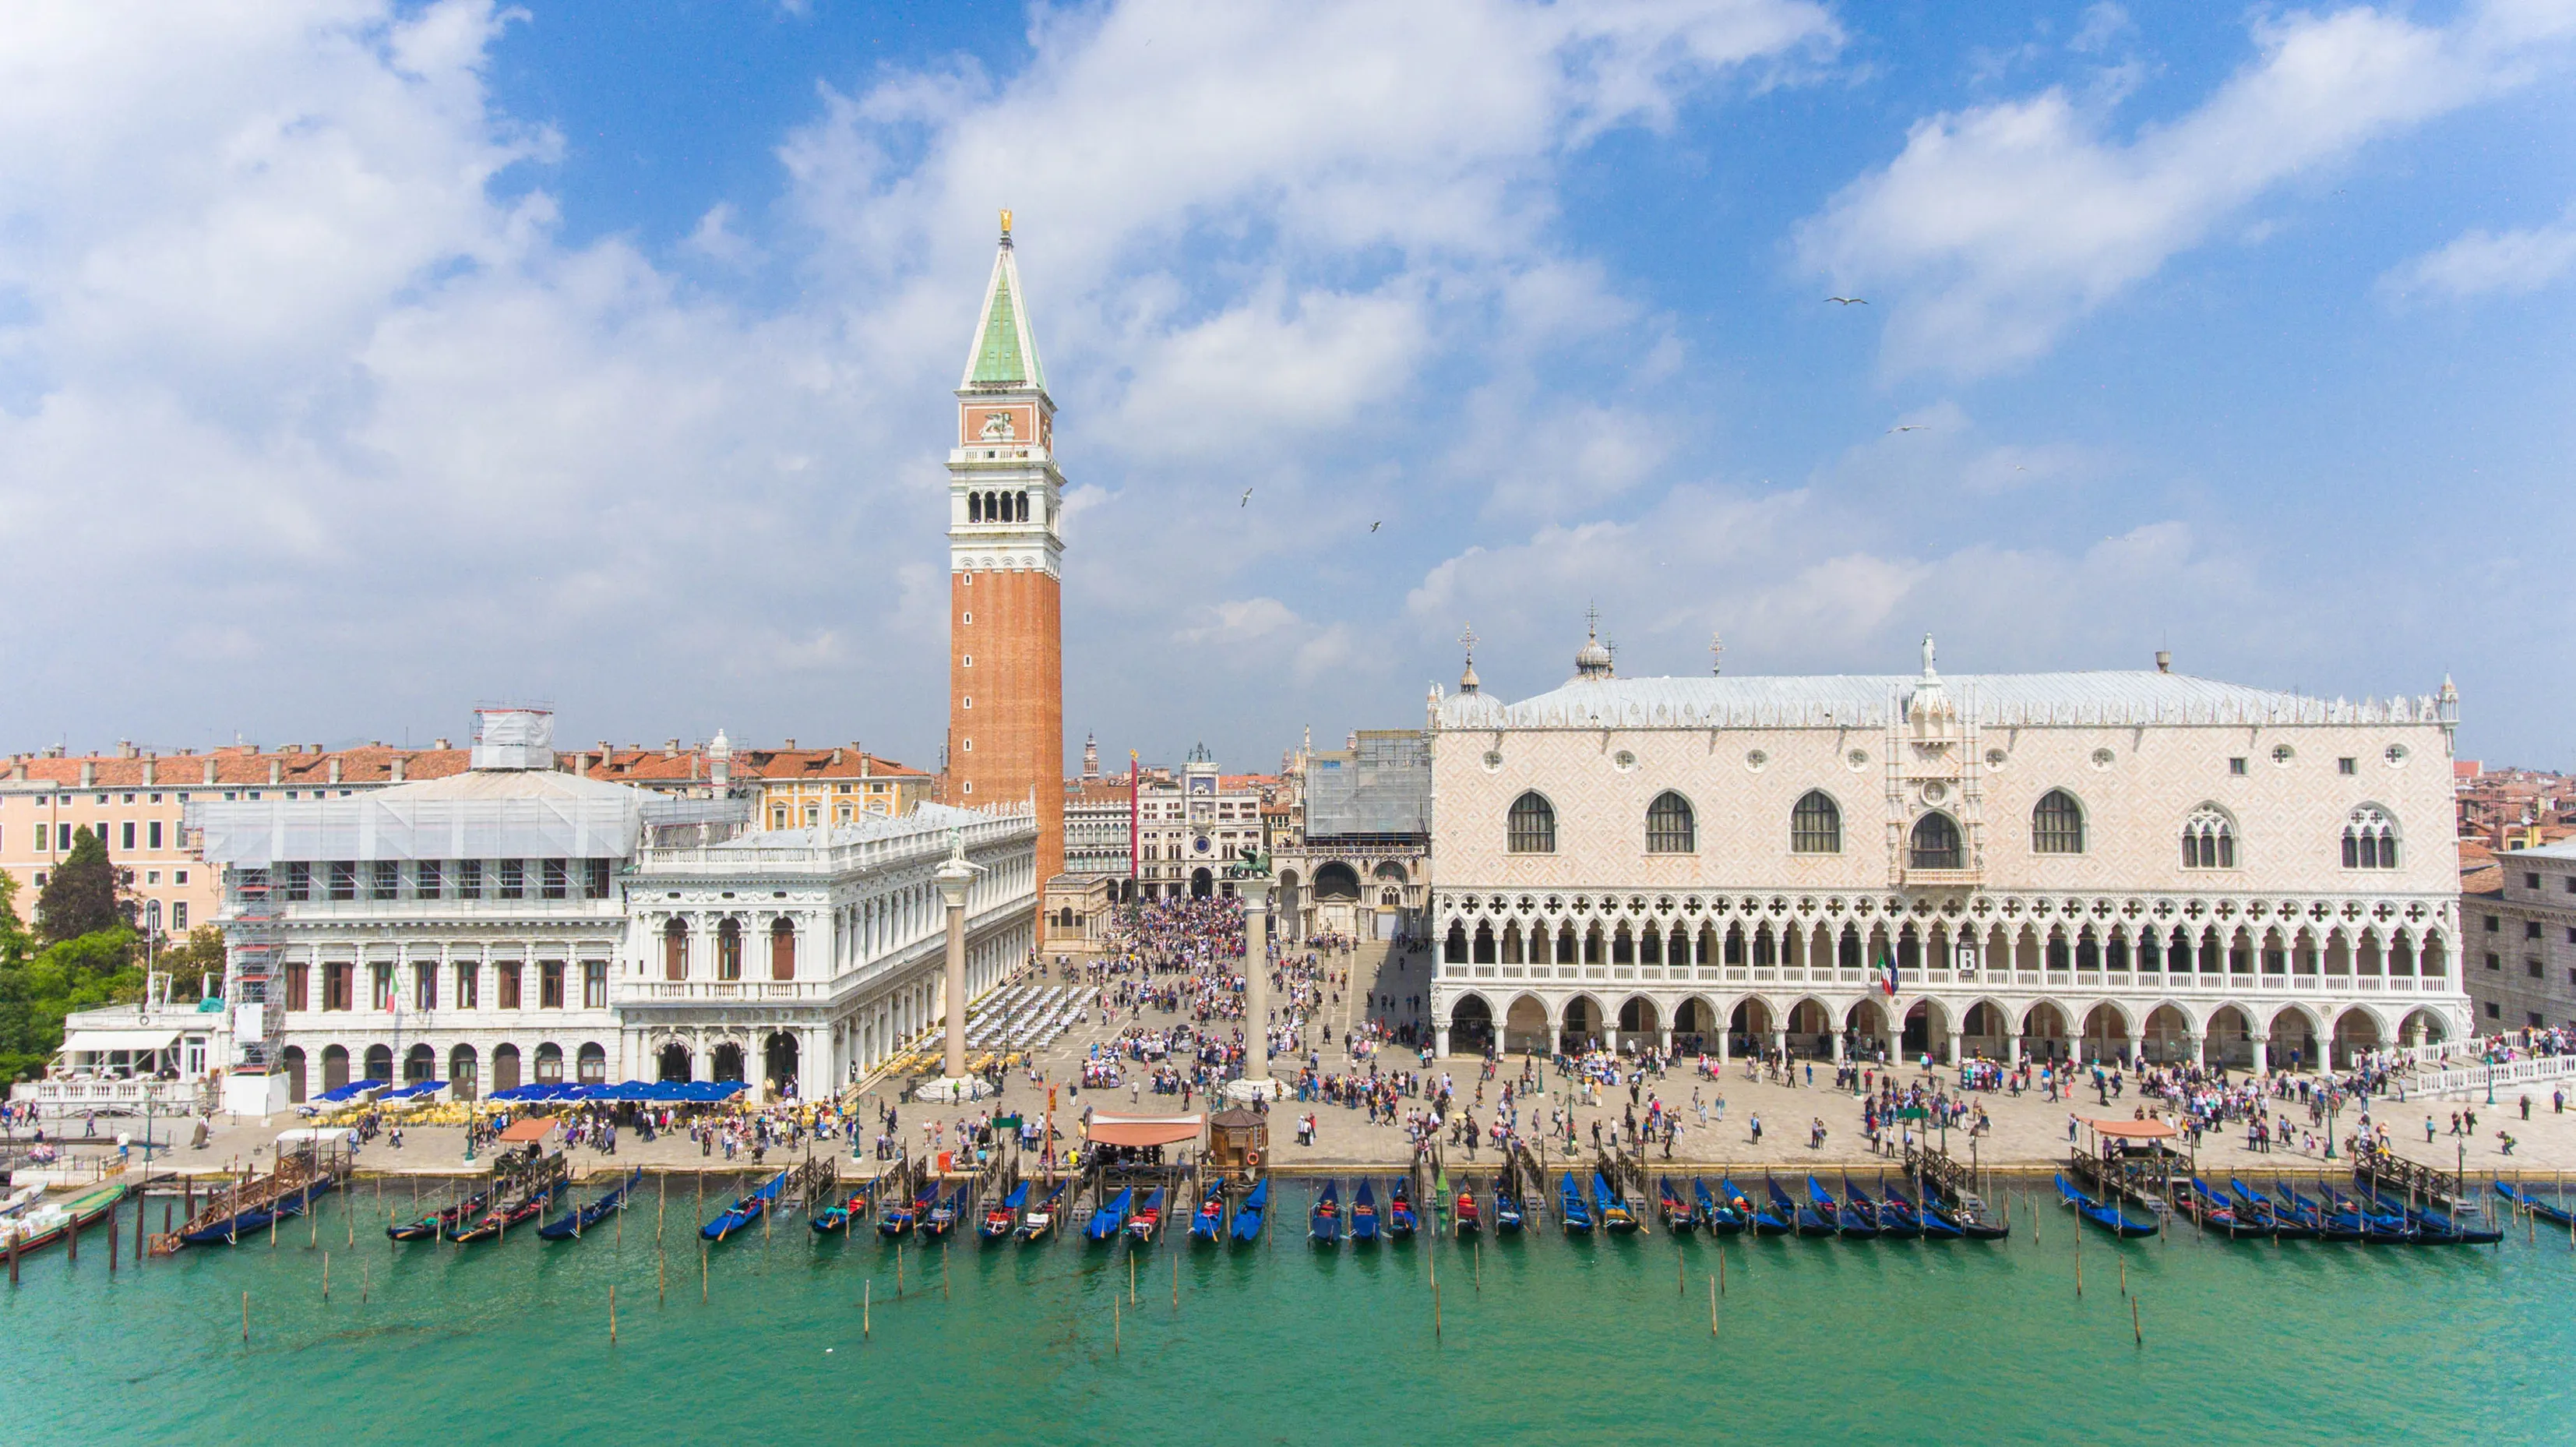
column 1541, row 1339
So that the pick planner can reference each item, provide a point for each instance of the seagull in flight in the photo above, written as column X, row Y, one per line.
column 1909, row 427
column 1849, row 300
column 1247, row 498
column 1373, row 527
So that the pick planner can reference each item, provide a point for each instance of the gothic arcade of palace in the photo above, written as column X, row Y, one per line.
column 2110, row 865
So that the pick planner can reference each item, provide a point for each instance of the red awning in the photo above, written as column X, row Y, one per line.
column 2135, row 1130
column 534, row 1128
column 1146, row 1130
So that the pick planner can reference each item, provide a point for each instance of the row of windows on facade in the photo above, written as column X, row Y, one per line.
column 997, row 507
column 463, row 1066
column 2056, row 827
column 131, row 834
column 729, row 942
column 2182, row 951
column 2530, row 929
column 509, row 977
column 300, row 881
column 2529, row 967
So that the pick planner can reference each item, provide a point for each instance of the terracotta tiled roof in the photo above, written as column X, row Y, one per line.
column 371, row 764
column 639, row 765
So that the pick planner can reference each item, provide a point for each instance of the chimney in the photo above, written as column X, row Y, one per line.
column 89, row 772
column 210, row 772
column 439, row 744
column 2164, row 660
column 335, row 768
column 18, row 771
column 276, row 770
column 125, row 748
column 151, row 771
column 670, row 748
column 396, row 768
column 314, row 749
column 789, row 744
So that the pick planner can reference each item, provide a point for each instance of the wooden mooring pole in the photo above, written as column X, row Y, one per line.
column 245, row 1318
column 612, row 1313
column 2136, row 1330
column 326, row 1276
column 1712, row 1303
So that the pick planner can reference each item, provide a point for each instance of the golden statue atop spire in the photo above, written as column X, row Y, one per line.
column 1006, row 221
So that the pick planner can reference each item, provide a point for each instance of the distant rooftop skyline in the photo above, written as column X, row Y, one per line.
column 362, row 361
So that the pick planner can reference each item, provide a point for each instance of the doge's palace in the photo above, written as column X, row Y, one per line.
column 2097, row 865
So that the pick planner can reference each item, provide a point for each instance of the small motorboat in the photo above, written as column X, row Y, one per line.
column 1364, row 1213
column 571, row 1224
column 1570, row 1207
column 2109, row 1217
column 1111, row 1219
column 38, row 1224
column 1209, row 1222
column 1324, row 1221
column 745, row 1209
column 1148, row 1218
column 1400, row 1220
column 1249, row 1216
column 1004, row 1218
column 1040, row 1219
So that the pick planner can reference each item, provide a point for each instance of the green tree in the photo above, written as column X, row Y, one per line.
column 190, row 964
column 80, row 898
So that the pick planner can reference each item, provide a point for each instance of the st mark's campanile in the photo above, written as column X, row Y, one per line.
column 1005, row 565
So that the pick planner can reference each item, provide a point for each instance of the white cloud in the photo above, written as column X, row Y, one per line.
column 1240, row 621
column 1999, row 226
column 2483, row 263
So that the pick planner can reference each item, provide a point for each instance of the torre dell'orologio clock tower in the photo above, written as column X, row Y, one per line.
column 1005, row 557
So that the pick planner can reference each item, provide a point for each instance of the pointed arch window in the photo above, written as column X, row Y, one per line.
column 2057, row 825
column 1935, row 844
column 1816, row 825
column 1670, row 826
column 2208, row 840
column 1530, row 828
column 2370, row 839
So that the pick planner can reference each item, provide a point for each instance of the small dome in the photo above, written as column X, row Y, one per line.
column 1592, row 660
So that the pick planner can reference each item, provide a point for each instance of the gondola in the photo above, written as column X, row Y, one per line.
column 1470, row 1221
column 1617, row 1217
column 1003, row 1219
column 745, row 1209
column 1848, row 1218
column 1764, row 1220
column 1894, row 1222
column 1930, row 1225
column 1364, row 1213
column 2441, row 1230
column 2548, row 1211
column 1570, row 1207
column 1148, row 1218
column 1324, row 1222
column 940, row 1219
column 838, row 1215
column 1507, row 1213
column 496, row 1223
column 2215, row 1213
column 284, row 1207
column 439, row 1223
column 1716, row 1217
column 1109, row 1220
column 1963, row 1213
column 1209, row 1222
column 1807, row 1220
column 2379, row 1227
column 2267, row 1215
column 2109, row 1217
column 906, row 1213
column 2329, row 1226
column 1677, row 1215
column 1248, row 1216
column 572, row 1223
column 1400, row 1220
column 1041, row 1219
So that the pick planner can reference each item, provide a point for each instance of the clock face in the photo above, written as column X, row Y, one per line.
column 1200, row 844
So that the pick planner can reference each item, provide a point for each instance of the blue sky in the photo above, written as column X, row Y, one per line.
column 362, row 361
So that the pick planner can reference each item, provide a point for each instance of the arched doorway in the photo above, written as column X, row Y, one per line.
column 1580, row 1027
column 1926, row 1032
column 461, row 1082
column 380, row 1064
column 590, row 1066
column 2166, row 1040
column 505, row 1068
column 335, row 1067
column 1471, row 1026
column 1640, row 1023
column 728, row 1062
column 1694, row 1026
column 2228, row 1038
column 1202, row 883
column 1337, row 883
column 2106, row 1035
column 1811, row 1027
column 779, row 1062
column 1750, row 1024
column 1525, row 1026
column 2043, row 1032
column 2423, row 1027
column 420, row 1065
column 2294, row 1041
column 1867, row 1022
column 1986, row 1030
column 672, row 1062
column 293, row 1059
column 2356, row 1034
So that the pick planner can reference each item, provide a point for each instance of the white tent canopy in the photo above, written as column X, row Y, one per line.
column 100, row 1042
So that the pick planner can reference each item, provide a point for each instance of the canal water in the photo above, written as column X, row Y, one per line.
column 1540, row 1339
